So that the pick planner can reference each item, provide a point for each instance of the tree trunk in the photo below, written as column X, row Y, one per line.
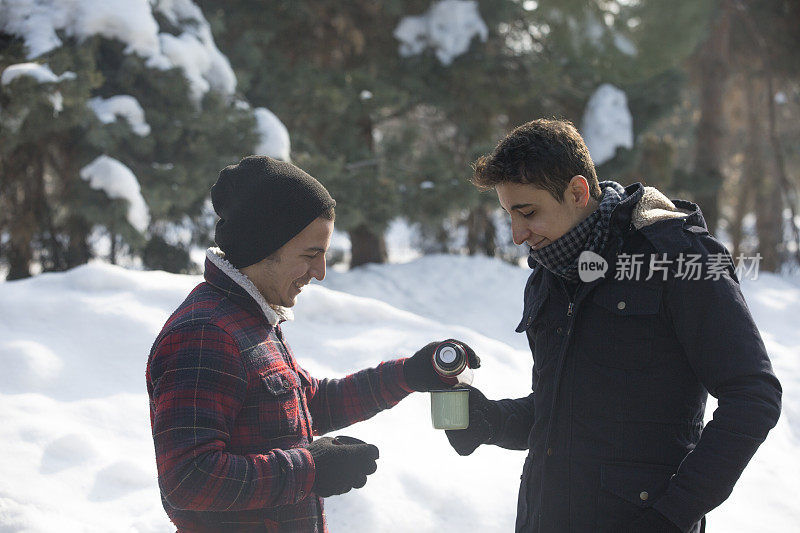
column 366, row 246
column 769, row 223
column 480, row 231
column 78, row 250
column 768, row 195
column 753, row 167
column 21, row 229
column 22, row 223
column 789, row 193
column 743, row 205
column 19, row 255
column 713, row 70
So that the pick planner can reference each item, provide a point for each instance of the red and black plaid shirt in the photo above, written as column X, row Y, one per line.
column 231, row 413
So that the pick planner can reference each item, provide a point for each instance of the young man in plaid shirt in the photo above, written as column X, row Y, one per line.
column 233, row 415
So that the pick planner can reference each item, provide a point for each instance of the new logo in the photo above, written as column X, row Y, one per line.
column 591, row 266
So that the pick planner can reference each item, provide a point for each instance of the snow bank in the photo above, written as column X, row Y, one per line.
column 131, row 22
column 127, row 107
column 448, row 27
column 75, row 447
column 117, row 181
column 607, row 123
column 273, row 135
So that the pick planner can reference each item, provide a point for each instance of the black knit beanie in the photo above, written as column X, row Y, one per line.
column 262, row 203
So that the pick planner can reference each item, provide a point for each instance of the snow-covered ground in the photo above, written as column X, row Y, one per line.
column 75, row 447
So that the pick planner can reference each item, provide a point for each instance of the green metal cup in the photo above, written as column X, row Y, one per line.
column 450, row 408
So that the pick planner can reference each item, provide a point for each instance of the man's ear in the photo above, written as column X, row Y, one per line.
column 579, row 190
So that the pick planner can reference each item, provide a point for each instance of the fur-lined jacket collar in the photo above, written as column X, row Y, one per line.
column 654, row 207
column 275, row 314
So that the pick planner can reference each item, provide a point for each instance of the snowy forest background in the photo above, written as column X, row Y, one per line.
column 117, row 115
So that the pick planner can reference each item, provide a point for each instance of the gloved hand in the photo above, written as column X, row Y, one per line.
column 419, row 372
column 484, row 422
column 341, row 464
column 651, row 521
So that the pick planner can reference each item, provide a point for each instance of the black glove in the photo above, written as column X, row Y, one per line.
column 341, row 464
column 484, row 422
column 419, row 372
column 651, row 521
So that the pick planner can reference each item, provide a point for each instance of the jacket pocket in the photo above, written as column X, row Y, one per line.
column 523, row 506
column 279, row 406
column 623, row 317
column 626, row 489
column 540, row 329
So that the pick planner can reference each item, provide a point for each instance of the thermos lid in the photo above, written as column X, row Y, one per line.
column 447, row 354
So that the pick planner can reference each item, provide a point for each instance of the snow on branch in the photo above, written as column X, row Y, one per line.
column 132, row 22
column 41, row 73
column 274, row 137
column 118, row 182
column 107, row 110
column 38, row 21
column 607, row 123
column 448, row 27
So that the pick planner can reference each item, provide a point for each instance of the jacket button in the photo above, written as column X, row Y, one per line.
column 621, row 305
column 643, row 495
column 549, row 451
column 560, row 330
column 300, row 494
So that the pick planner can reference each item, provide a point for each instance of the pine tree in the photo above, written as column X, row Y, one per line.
column 49, row 132
column 326, row 69
column 545, row 59
column 394, row 134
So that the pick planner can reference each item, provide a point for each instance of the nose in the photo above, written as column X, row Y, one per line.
column 519, row 233
column 318, row 267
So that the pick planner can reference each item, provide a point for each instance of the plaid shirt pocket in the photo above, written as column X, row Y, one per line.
column 279, row 405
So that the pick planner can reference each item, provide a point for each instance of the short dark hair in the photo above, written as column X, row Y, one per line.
column 544, row 153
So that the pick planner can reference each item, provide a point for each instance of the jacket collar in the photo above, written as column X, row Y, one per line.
column 622, row 215
column 645, row 206
column 222, row 275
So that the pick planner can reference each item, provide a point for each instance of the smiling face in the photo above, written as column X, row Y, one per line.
column 537, row 218
column 281, row 276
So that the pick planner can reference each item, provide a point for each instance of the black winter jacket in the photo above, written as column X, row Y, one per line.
column 621, row 373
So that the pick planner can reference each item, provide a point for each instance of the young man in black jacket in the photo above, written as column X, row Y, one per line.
column 623, row 358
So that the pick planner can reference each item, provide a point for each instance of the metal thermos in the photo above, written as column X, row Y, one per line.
column 450, row 362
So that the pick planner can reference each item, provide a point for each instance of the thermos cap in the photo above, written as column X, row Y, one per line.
column 448, row 354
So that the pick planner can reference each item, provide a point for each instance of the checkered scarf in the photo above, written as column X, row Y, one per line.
column 561, row 256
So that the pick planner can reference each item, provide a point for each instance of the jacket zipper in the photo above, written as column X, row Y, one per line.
column 559, row 370
column 570, row 299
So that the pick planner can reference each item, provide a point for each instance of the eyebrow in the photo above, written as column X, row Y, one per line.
column 520, row 206
column 315, row 249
